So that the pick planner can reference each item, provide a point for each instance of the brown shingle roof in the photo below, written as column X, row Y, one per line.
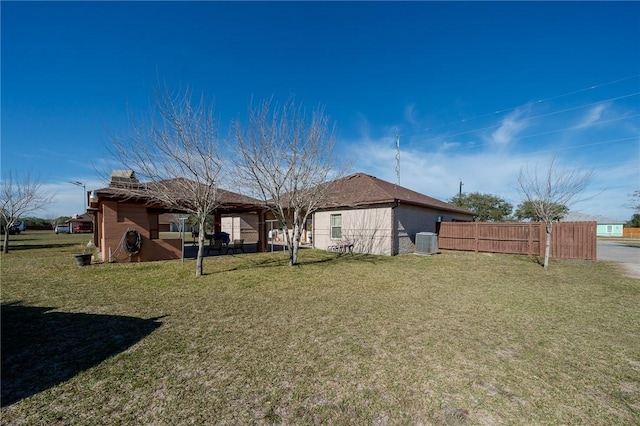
column 360, row 189
column 227, row 199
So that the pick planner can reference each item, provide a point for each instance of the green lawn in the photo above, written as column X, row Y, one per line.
column 457, row 338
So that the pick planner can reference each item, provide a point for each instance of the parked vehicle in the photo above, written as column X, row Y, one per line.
column 13, row 230
column 61, row 229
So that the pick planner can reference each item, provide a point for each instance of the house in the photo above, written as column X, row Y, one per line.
column 80, row 223
column 133, row 229
column 379, row 217
column 606, row 227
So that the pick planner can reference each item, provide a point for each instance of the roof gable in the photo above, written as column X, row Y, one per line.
column 574, row 216
column 361, row 189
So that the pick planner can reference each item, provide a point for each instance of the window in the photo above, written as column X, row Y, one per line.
column 609, row 229
column 336, row 226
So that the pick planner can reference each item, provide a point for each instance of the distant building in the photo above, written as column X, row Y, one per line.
column 606, row 227
column 80, row 223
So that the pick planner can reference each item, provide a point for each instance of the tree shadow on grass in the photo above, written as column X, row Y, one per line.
column 538, row 260
column 39, row 246
column 41, row 348
column 277, row 262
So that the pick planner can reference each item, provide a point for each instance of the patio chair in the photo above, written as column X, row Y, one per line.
column 215, row 245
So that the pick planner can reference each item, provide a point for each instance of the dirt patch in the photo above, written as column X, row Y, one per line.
column 632, row 270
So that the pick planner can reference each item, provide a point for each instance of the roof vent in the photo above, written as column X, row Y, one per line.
column 426, row 243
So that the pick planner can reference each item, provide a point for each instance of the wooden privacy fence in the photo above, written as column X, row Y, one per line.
column 631, row 232
column 569, row 240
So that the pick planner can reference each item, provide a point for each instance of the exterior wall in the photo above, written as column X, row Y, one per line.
column 386, row 230
column 278, row 234
column 368, row 229
column 116, row 218
column 242, row 225
column 409, row 220
column 609, row 230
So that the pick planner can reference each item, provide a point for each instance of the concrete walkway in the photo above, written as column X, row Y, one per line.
column 627, row 256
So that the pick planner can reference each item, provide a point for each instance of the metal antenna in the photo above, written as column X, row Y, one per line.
column 397, row 159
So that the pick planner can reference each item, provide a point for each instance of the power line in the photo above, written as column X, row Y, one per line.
column 467, row 148
column 494, row 126
column 539, row 101
column 586, row 144
column 573, row 127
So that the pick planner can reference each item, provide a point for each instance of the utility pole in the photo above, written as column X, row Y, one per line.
column 397, row 159
column 460, row 193
column 182, row 222
column 84, row 195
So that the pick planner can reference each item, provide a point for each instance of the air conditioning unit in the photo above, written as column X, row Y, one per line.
column 426, row 243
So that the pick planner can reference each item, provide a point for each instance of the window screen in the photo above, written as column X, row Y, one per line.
column 336, row 226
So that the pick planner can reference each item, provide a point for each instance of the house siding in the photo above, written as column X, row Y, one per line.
column 410, row 219
column 610, row 230
column 368, row 229
column 386, row 230
column 242, row 225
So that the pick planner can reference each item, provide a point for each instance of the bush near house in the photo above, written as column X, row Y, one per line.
column 456, row 338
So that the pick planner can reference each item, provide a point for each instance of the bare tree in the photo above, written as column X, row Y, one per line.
column 18, row 197
column 285, row 159
column 177, row 151
column 557, row 187
column 635, row 200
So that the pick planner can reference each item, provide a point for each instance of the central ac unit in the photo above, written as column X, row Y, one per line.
column 426, row 243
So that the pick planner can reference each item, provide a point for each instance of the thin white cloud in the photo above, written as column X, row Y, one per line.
column 509, row 128
column 488, row 154
column 446, row 146
column 410, row 114
column 592, row 116
column 437, row 173
column 68, row 198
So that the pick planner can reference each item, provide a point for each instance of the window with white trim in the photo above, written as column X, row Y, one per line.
column 336, row 226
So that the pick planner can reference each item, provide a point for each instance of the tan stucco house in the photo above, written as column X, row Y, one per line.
column 372, row 215
column 379, row 217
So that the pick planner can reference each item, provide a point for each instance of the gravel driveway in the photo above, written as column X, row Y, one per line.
column 628, row 256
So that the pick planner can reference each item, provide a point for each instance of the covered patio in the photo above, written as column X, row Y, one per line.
column 137, row 230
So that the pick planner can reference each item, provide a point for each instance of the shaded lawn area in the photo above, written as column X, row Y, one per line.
column 457, row 338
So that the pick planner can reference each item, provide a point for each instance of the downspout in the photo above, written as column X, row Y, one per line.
column 394, row 231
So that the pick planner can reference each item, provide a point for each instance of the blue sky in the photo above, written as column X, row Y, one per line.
column 476, row 90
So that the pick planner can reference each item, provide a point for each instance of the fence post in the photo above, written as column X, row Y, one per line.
column 477, row 237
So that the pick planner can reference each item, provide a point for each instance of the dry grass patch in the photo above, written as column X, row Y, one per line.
column 457, row 338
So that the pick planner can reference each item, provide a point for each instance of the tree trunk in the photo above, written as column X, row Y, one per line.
column 289, row 241
column 201, row 239
column 547, row 246
column 5, row 244
column 296, row 242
